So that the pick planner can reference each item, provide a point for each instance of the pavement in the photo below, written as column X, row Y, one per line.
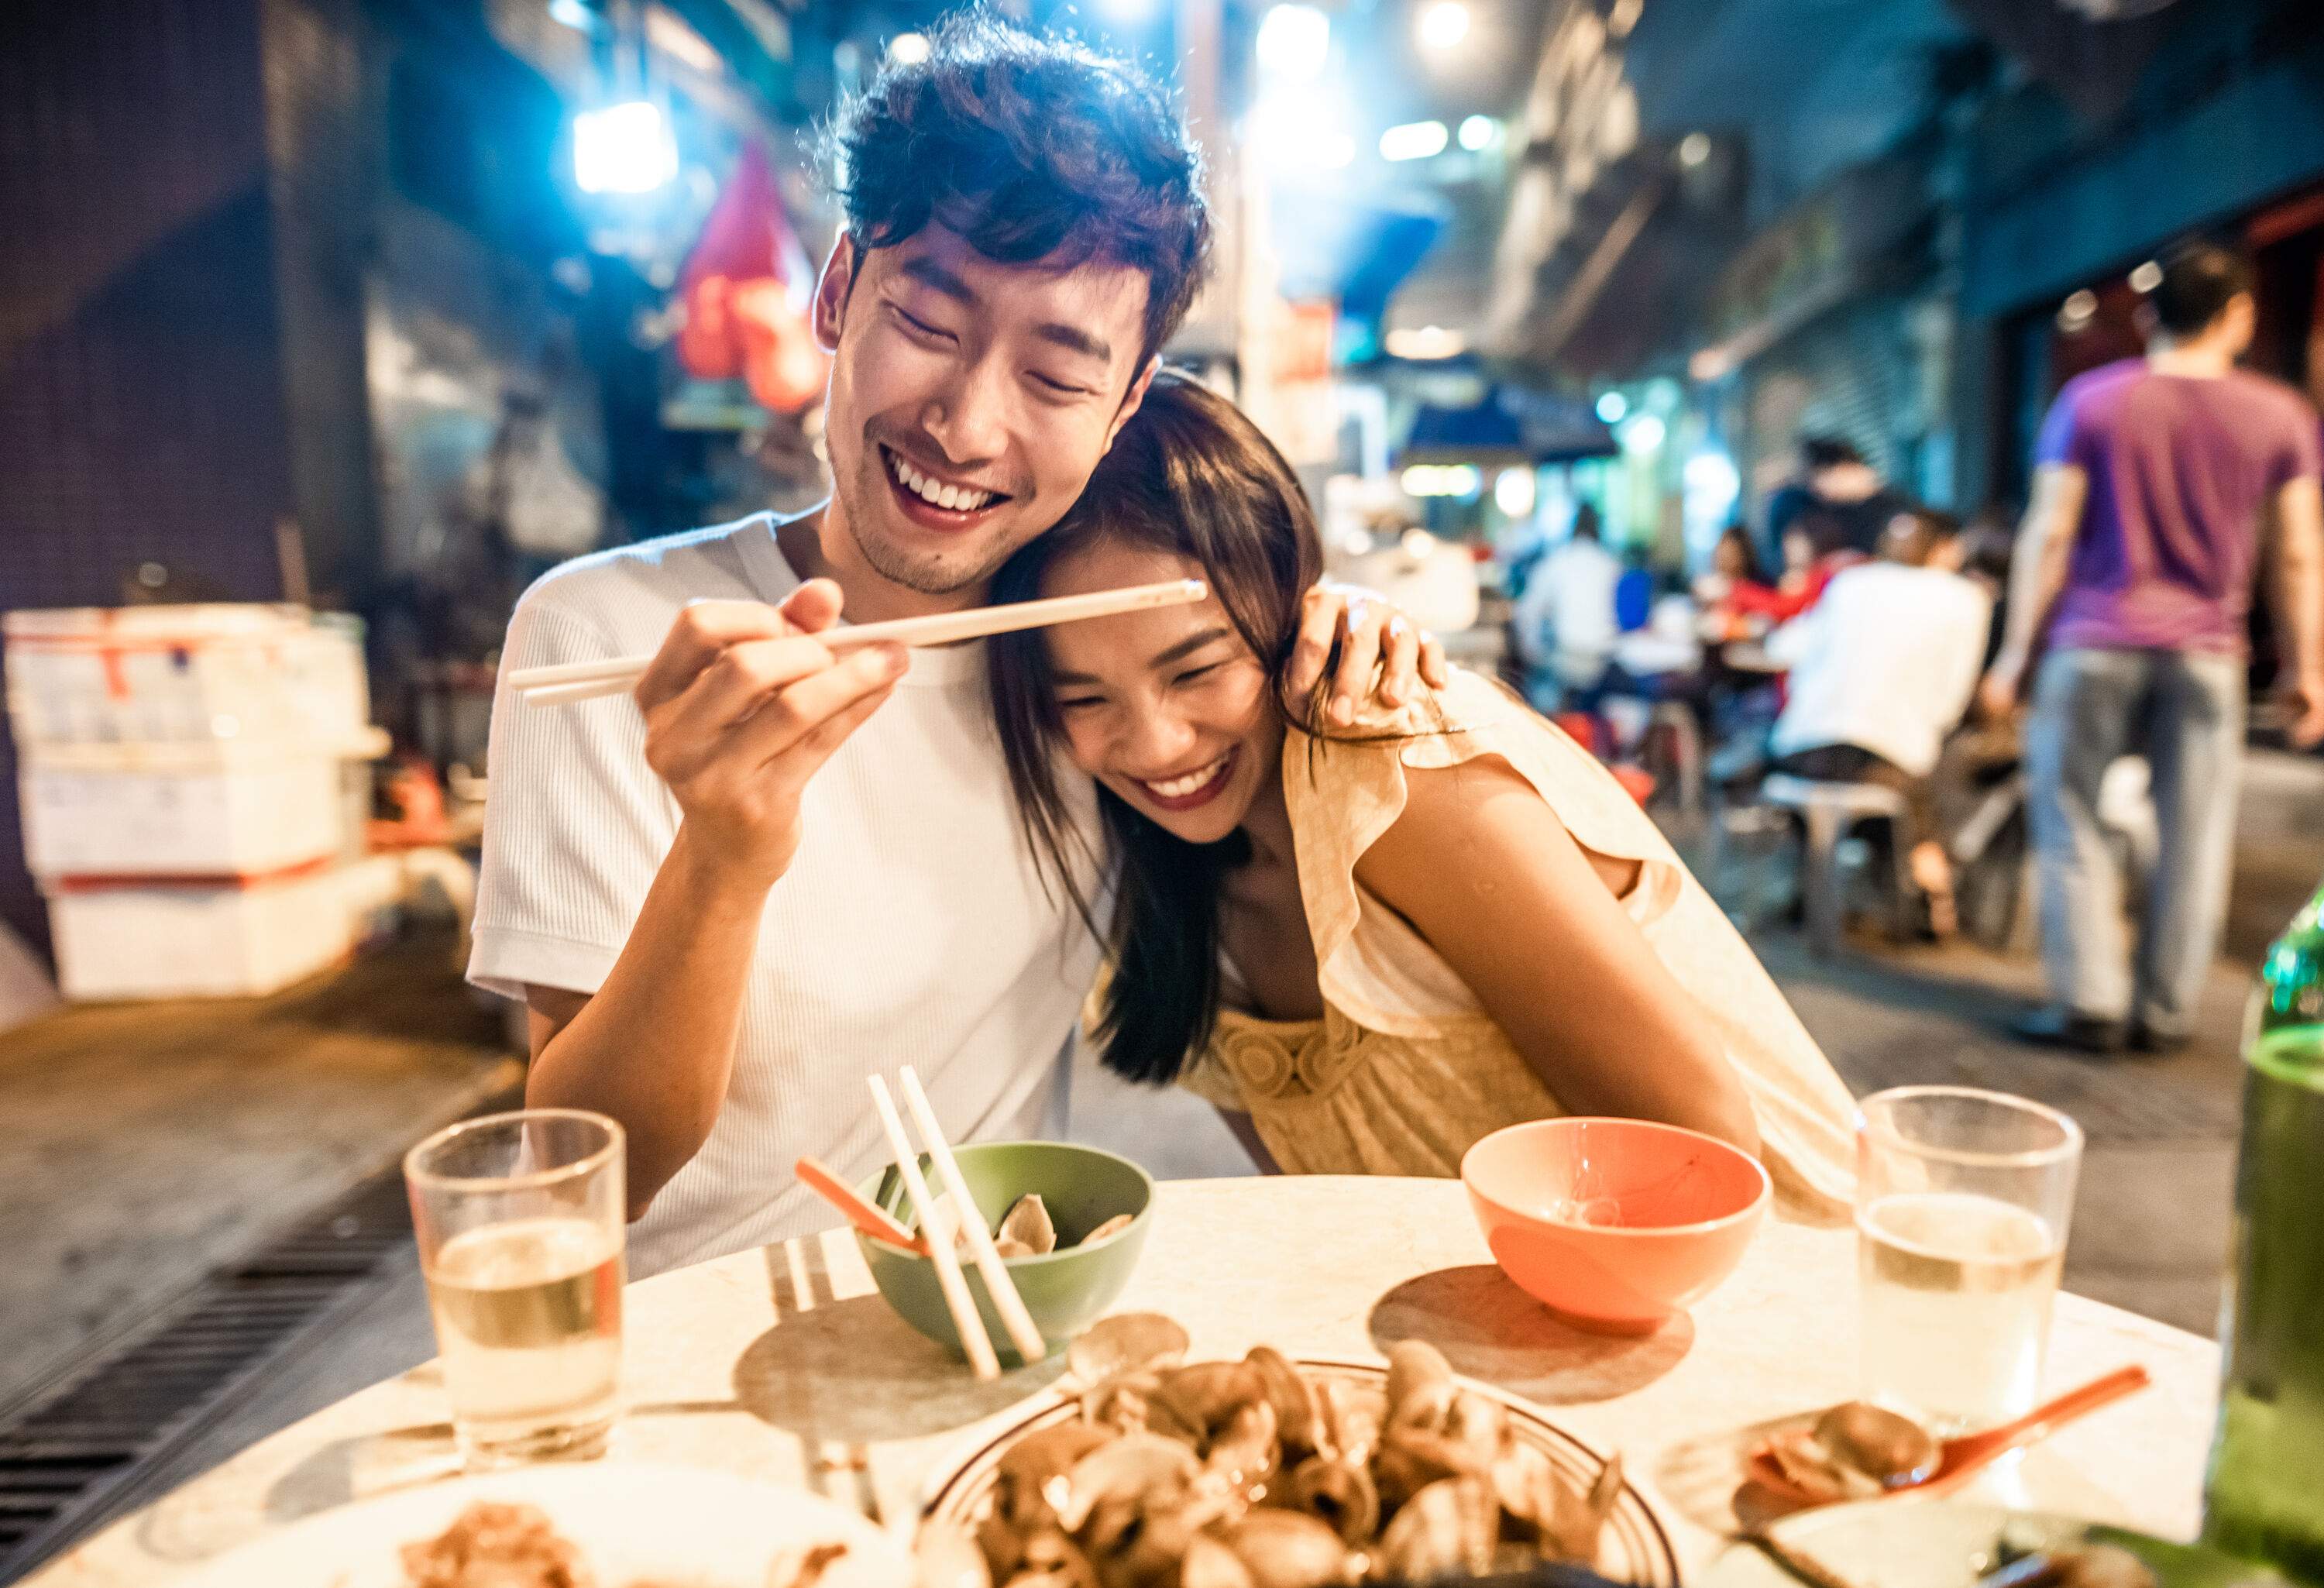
column 150, row 1144
column 2149, row 1231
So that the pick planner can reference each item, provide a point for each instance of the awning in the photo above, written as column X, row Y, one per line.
column 1354, row 248
column 1511, row 424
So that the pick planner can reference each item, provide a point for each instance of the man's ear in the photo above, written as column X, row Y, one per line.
column 1136, row 395
column 832, row 288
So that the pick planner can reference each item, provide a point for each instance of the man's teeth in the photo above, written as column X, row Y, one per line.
column 936, row 494
column 1199, row 779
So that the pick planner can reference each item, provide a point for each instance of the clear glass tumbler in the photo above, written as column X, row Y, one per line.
column 1962, row 1201
column 519, row 1218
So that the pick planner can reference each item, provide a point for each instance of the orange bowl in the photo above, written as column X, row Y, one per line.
column 1614, row 1225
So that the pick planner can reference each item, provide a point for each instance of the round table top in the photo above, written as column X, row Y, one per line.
column 783, row 1364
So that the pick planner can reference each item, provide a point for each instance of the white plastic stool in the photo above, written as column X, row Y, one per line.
column 1828, row 811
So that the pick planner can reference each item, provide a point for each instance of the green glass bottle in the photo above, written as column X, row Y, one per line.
column 2264, row 1499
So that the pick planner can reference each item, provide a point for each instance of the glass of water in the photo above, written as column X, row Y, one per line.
column 519, row 1218
column 1961, row 1205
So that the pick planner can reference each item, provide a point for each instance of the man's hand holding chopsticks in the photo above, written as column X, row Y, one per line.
column 743, row 705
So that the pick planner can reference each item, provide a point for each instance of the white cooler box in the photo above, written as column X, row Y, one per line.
column 124, row 939
column 184, row 810
column 184, row 674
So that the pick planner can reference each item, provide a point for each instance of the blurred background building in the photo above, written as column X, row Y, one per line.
column 387, row 305
column 378, row 309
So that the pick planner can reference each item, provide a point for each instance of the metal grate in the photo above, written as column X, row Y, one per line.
column 72, row 1460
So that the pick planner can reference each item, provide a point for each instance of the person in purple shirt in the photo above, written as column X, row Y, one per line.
column 2160, row 480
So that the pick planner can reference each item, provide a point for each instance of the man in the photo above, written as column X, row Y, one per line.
column 1564, row 621
column 1882, row 668
column 728, row 901
column 2158, row 481
column 1837, row 497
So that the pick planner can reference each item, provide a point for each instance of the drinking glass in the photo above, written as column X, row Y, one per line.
column 519, row 1218
column 1962, row 1202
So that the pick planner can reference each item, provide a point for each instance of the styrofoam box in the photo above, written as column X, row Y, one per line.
column 182, row 940
column 184, row 674
column 178, row 811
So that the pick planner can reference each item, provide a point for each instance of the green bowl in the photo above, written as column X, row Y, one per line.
column 1066, row 1290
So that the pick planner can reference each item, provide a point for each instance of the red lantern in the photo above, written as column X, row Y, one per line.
column 746, row 290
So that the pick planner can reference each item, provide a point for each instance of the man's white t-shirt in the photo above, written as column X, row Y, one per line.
column 912, row 927
column 1885, row 659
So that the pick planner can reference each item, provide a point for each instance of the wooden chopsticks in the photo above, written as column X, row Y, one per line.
column 1030, row 1347
column 974, row 1341
column 563, row 683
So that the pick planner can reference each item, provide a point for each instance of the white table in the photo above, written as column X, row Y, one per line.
column 784, row 1364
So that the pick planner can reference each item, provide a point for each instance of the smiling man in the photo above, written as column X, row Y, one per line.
column 775, row 872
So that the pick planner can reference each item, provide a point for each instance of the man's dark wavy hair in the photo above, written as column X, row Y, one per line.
column 1032, row 148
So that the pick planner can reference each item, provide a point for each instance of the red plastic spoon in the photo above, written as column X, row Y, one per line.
column 1951, row 1461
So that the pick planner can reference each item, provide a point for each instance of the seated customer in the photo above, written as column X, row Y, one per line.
column 1368, row 946
column 1882, row 668
column 1564, row 621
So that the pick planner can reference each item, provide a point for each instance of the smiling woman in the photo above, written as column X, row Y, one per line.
column 1369, row 946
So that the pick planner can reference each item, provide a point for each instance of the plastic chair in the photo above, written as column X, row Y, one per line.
column 1827, row 812
column 1677, row 719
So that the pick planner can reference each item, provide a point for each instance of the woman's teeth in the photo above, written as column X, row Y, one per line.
column 1193, row 782
column 934, row 493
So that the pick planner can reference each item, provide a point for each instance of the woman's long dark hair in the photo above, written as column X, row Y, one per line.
column 1191, row 477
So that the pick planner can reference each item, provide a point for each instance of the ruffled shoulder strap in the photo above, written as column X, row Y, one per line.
column 1345, row 790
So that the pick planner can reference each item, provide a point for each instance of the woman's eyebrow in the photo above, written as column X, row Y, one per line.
column 1190, row 644
column 1177, row 653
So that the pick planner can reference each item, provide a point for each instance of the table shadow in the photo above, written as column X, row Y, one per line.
column 1702, row 1478
column 855, row 1372
column 1492, row 1331
column 396, row 1458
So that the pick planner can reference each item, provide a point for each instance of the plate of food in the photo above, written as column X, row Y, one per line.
column 605, row 1525
column 1146, row 1469
column 1961, row 1543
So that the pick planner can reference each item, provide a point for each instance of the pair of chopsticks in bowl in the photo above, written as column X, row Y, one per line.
column 932, row 1242
column 564, row 683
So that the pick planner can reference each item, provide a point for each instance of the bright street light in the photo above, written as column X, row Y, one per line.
column 1612, row 406
column 1442, row 479
column 1444, row 23
column 1299, row 128
column 1295, row 42
column 1641, row 434
column 907, row 48
column 1512, row 492
column 1693, row 149
column 1424, row 342
column 1480, row 132
column 1415, row 140
column 625, row 148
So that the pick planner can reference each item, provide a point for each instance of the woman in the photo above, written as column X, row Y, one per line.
column 1733, row 575
column 1368, row 944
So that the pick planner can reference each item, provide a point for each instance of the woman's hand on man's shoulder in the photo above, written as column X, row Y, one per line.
column 1383, row 657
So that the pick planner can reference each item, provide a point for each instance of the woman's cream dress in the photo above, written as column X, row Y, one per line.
column 1405, row 1071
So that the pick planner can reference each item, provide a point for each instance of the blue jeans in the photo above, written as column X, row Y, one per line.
column 2184, row 712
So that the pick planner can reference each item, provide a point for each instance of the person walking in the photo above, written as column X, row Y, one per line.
column 2159, row 481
